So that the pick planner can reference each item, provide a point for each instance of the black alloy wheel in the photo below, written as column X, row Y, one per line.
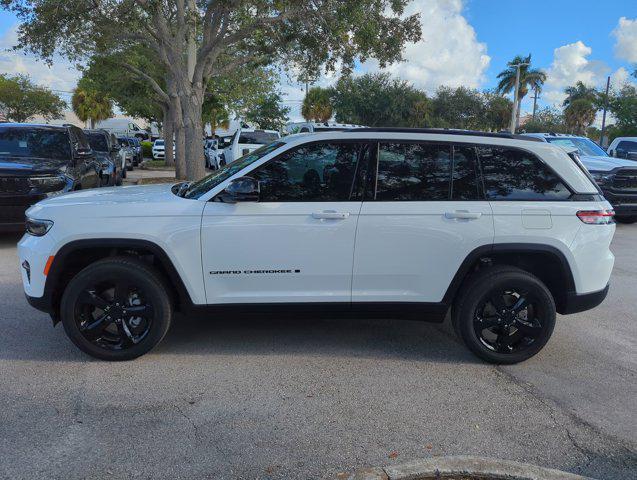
column 116, row 309
column 504, row 314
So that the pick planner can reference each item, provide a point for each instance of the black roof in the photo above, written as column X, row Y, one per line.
column 33, row 125
column 445, row 131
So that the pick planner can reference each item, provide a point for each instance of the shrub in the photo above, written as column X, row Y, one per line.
column 147, row 149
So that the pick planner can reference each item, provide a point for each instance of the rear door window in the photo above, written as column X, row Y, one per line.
column 512, row 174
column 413, row 171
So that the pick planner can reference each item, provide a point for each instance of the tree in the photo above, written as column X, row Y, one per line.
column 378, row 100
column 581, row 91
column 268, row 113
column 317, row 105
column 196, row 41
column 458, row 108
column 547, row 120
column 579, row 115
column 497, row 113
column 91, row 104
column 623, row 106
column 21, row 99
column 530, row 78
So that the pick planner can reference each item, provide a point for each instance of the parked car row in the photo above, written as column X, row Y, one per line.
column 42, row 161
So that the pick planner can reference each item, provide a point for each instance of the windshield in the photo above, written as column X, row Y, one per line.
column 28, row 142
column 584, row 145
column 206, row 184
column 257, row 138
column 159, row 143
column 97, row 142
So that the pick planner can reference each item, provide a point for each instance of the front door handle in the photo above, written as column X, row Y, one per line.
column 330, row 215
column 463, row 214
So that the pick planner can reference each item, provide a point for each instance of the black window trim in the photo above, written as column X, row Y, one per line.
column 573, row 197
column 363, row 143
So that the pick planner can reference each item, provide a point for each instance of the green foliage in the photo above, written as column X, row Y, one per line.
column 581, row 91
column 317, row 105
column 378, row 100
column 21, row 99
column 90, row 103
column 147, row 149
column 268, row 113
column 530, row 78
column 580, row 114
column 547, row 119
column 623, row 106
column 497, row 115
column 458, row 108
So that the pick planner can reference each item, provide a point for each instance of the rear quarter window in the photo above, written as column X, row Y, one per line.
column 512, row 174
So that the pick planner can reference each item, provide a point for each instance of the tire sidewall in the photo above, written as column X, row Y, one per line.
column 509, row 279
column 153, row 289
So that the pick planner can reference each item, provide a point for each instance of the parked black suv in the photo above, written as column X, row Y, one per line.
column 107, row 155
column 38, row 161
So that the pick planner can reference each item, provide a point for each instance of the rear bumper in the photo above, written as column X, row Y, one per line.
column 575, row 303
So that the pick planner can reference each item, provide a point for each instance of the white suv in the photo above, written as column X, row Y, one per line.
column 501, row 230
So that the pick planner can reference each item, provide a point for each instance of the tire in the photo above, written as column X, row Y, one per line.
column 502, row 337
column 105, row 328
column 627, row 219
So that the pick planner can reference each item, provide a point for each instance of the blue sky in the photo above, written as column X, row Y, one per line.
column 465, row 42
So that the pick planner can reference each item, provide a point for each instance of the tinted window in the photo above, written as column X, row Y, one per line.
column 197, row 189
column 465, row 185
column 628, row 146
column 27, row 142
column 97, row 142
column 310, row 173
column 257, row 138
column 511, row 174
column 413, row 171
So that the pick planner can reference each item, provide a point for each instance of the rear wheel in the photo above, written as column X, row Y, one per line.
column 116, row 309
column 504, row 315
column 626, row 219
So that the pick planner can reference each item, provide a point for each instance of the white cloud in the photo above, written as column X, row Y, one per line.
column 61, row 76
column 626, row 39
column 570, row 65
column 449, row 52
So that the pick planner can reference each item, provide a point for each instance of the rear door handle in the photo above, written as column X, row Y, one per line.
column 463, row 214
column 330, row 215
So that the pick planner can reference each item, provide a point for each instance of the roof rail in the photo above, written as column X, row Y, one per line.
column 444, row 131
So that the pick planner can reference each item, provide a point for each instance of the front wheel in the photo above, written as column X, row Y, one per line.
column 626, row 219
column 117, row 308
column 504, row 315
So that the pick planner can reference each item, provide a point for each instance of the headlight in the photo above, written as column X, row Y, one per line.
column 38, row 228
column 48, row 184
column 603, row 178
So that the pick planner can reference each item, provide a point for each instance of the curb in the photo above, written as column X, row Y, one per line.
column 441, row 467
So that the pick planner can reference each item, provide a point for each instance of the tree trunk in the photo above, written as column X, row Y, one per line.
column 517, row 117
column 180, row 140
column 191, row 105
column 168, row 133
column 92, row 123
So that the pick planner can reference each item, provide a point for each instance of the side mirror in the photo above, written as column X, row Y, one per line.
column 621, row 153
column 82, row 153
column 242, row 189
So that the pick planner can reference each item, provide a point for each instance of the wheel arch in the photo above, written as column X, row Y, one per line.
column 75, row 255
column 546, row 262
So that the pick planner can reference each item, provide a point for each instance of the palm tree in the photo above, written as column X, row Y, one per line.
column 530, row 78
column 90, row 104
column 579, row 90
column 317, row 105
column 579, row 115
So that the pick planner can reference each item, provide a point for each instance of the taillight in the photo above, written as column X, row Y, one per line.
column 596, row 217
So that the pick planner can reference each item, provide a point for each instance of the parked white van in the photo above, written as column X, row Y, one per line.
column 124, row 127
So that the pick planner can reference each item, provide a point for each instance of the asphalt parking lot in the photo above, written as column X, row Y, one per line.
column 299, row 399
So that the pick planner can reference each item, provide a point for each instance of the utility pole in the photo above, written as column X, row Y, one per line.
column 601, row 137
column 517, row 93
column 535, row 101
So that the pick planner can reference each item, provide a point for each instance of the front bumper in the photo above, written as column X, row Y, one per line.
column 12, row 211
column 575, row 303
